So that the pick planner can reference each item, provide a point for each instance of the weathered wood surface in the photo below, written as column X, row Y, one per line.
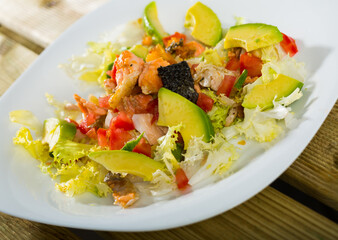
column 268, row 215
column 315, row 171
column 15, row 228
column 41, row 21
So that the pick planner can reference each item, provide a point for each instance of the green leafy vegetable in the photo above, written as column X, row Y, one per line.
column 241, row 79
column 26, row 118
column 129, row 146
column 37, row 149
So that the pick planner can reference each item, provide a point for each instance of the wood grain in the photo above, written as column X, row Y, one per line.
column 14, row 59
column 42, row 21
column 268, row 215
column 15, row 228
column 316, row 170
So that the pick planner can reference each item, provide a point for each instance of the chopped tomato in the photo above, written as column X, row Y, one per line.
column 104, row 101
column 233, row 64
column 226, row 85
column 86, row 123
column 122, row 120
column 289, row 45
column 102, row 137
column 205, row 102
column 181, row 179
column 118, row 138
column 174, row 38
column 252, row 64
column 143, row 147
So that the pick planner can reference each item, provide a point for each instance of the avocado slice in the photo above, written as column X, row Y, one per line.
column 263, row 95
column 152, row 24
column 120, row 161
column 252, row 36
column 204, row 24
column 56, row 130
column 139, row 51
column 175, row 109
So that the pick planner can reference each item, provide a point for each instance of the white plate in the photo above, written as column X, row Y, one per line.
column 27, row 193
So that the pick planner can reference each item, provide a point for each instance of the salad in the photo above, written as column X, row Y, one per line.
column 175, row 108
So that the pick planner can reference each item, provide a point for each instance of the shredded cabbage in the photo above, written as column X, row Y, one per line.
column 26, row 118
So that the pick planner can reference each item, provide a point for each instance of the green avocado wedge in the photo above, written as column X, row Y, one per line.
column 152, row 24
column 175, row 109
column 56, row 130
column 263, row 95
column 204, row 24
column 252, row 36
column 120, row 161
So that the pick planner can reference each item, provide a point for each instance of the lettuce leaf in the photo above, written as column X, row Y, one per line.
column 287, row 66
column 167, row 145
column 67, row 152
column 26, row 118
column 203, row 160
column 37, row 149
column 129, row 146
column 258, row 126
column 77, row 179
column 219, row 111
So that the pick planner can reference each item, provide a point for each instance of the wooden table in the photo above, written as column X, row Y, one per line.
column 28, row 26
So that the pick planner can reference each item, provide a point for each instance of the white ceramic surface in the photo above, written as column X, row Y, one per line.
column 26, row 193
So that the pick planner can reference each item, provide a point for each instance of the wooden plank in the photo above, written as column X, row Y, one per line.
column 268, row 215
column 42, row 21
column 316, row 170
column 14, row 59
column 15, row 228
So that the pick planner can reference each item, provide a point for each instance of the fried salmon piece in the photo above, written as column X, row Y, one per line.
column 128, row 68
column 124, row 192
column 149, row 80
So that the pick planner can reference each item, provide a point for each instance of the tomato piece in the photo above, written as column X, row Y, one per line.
column 181, row 179
column 104, row 101
column 86, row 123
column 252, row 64
column 173, row 38
column 102, row 137
column 205, row 102
column 118, row 138
column 233, row 64
column 226, row 85
column 143, row 147
column 289, row 45
column 122, row 120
